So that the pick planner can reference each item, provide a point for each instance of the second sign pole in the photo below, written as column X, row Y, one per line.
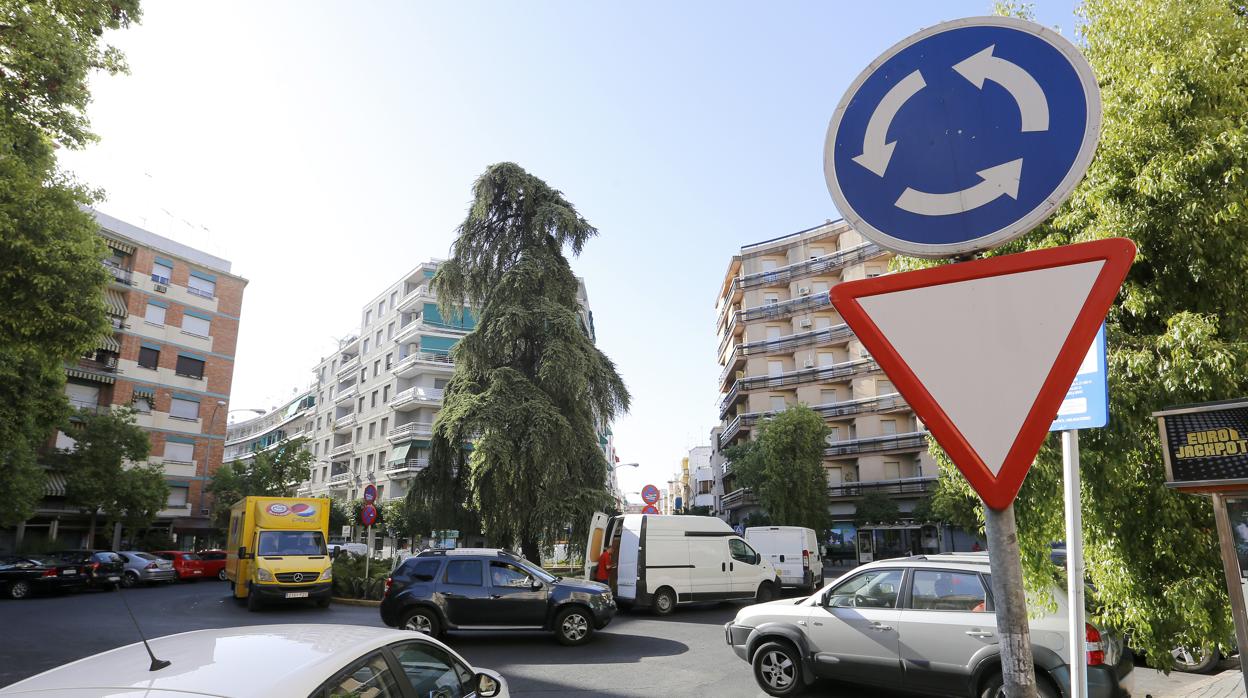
column 1010, row 602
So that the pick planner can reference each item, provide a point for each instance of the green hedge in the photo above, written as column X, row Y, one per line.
column 349, row 581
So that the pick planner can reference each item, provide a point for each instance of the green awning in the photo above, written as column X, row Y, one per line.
column 109, row 343
column 148, row 393
column 400, row 453
column 54, row 485
column 122, row 247
column 115, row 302
column 88, row 375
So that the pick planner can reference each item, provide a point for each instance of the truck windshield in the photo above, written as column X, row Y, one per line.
column 291, row 543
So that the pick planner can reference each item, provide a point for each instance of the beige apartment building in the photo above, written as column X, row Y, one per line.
column 781, row 343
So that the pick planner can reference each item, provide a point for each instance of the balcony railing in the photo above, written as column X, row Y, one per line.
column 411, row 430
column 806, row 375
column 738, row 497
column 809, row 267
column 409, row 364
column 407, row 468
column 869, row 405
column 415, row 396
column 122, row 276
column 344, row 395
column 349, row 368
column 345, row 422
column 343, row 450
column 339, row 479
column 413, row 297
column 911, row 441
column 908, row 485
column 825, row 335
column 784, row 308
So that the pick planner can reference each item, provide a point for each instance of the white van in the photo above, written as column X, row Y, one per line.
column 793, row 551
column 661, row 561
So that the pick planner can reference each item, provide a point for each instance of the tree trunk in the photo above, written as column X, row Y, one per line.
column 531, row 551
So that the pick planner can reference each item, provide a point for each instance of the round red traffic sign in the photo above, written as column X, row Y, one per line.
column 370, row 494
column 650, row 494
column 650, row 509
column 368, row 515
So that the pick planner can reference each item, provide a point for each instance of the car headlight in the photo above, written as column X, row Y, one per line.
column 328, row 574
column 264, row 575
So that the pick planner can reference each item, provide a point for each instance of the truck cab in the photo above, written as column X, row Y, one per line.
column 276, row 551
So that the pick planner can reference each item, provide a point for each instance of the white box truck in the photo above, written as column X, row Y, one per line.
column 793, row 551
column 659, row 562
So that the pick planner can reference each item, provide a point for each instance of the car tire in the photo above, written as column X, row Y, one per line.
column 994, row 688
column 221, row 575
column 778, row 669
column 574, row 626
column 1199, row 661
column 19, row 589
column 129, row 579
column 253, row 600
column 664, row 601
column 422, row 620
column 322, row 602
column 766, row 592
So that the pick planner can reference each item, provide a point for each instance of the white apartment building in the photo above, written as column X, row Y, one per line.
column 782, row 343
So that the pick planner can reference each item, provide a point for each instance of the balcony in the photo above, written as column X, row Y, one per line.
column 121, row 276
column 348, row 369
column 345, row 395
column 827, row 335
column 815, row 374
column 304, row 491
column 423, row 362
column 344, row 423
column 344, row 450
column 891, row 402
column 406, row 469
column 771, row 311
column 730, row 432
column 812, row 267
column 415, row 398
column 903, row 486
column 738, row 498
column 416, row 297
column 409, row 431
column 339, row 480
column 891, row 443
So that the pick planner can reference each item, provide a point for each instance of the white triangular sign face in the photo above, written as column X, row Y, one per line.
column 984, row 347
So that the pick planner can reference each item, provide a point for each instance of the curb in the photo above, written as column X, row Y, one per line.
column 356, row 602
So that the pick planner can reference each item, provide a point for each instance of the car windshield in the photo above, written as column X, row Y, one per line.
column 145, row 556
column 536, row 571
column 291, row 543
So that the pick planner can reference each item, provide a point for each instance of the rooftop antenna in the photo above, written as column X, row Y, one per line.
column 157, row 664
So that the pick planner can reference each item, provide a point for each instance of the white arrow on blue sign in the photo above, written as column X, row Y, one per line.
column 963, row 136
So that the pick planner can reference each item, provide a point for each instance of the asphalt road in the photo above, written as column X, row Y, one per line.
column 637, row 655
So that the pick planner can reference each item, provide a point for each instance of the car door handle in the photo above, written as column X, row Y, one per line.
column 449, row 595
column 880, row 626
column 730, row 567
column 723, row 567
column 980, row 633
column 496, row 596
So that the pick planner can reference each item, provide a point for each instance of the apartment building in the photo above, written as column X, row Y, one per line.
column 175, row 315
column 291, row 420
column 703, row 482
column 782, row 343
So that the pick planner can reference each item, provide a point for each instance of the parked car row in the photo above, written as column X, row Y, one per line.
column 73, row 570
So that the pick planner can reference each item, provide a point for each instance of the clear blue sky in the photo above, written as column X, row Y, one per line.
column 327, row 148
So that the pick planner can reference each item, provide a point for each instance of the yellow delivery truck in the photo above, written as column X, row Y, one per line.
column 276, row 550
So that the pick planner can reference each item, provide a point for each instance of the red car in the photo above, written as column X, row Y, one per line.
column 187, row 565
column 214, row 563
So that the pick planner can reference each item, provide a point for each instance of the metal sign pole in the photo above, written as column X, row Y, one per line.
column 1010, row 603
column 1234, row 575
column 368, row 536
column 1074, row 564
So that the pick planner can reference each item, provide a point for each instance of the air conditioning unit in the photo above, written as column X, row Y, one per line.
column 810, row 363
column 160, row 288
column 740, row 375
column 803, row 291
column 804, row 322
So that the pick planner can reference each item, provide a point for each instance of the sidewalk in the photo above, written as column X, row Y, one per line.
column 1228, row 684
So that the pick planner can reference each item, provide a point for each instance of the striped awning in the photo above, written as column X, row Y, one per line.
column 54, row 485
column 109, row 343
column 89, row 376
column 122, row 247
column 115, row 302
column 144, row 392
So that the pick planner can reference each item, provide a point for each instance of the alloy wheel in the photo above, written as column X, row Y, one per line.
column 420, row 623
column 575, row 626
column 19, row 590
column 777, row 670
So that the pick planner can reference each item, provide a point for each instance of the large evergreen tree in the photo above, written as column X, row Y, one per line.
column 515, row 446
column 1171, row 175
column 784, row 468
column 51, row 279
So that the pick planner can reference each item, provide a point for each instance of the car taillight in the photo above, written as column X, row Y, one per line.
column 151, row 566
column 95, row 566
column 805, row 558
column 389, row 582
column 1096, row 652
column 49, row 573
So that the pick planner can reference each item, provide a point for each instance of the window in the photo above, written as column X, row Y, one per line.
column 771, row 299
column 888, row 426
column 706, row 486
column 373, row 400
column 769, row 265
column 892, row 470
column 381, row 489
column 199, row 286
column 421, row 570
column 161, row 273
column 464, row 572
column 363, row 375
column 316, row 449
column 390, row 331
column 365, row 349
column 937, row 590
column 195, row 325
column 834, row 434
column 822, row 323
column 874, row 589
column 359, row 434
column 884, row 387
column 394, row 299
column 377, row 340
column 873, row 271
column 142, row 405
column 505, row 575
column 369, row 678
column 318, row 423
column 381, row 463
column 372, row 428
column 775, row 368
column 381, row 307
column 433, row 671
column 177, row 497
column 389, row 358
column 827, row 397
column 190, row 366
column 180, row 408
column 360, row 407
column 826, row 358
column 773, row 333
column 178, row 452
column 384, row 421
column 385, row 394
column 741, row 551
column 816, row 252
column 149, row 357
column 155, row 314
column 368, row 318
column 777, row 403
column 819, row 288
column 368, row 462
column 376, row 368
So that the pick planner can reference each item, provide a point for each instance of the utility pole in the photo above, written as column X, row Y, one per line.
column 1010, row 603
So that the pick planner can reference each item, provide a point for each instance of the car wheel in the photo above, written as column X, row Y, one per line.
column 664, row 601
column 995, row 688
column 1193, row 660
column 19, row 589
column 573, row 626
column 422, row 620
column 129, row 579
column 253, row 600
column 322, row 602
column 766, row 592
column 221, row 575
column 778, row 669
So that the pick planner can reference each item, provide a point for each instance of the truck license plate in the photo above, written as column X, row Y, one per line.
column 296, row 594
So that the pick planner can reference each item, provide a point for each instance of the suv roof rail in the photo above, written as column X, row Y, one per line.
column 979, row 558
column 468, row 551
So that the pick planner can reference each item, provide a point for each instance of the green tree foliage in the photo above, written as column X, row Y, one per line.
column 875, row 508
column 1170, row 175
column 50, row 275
column 274, row 473
column 783, row 465
column 530, row 390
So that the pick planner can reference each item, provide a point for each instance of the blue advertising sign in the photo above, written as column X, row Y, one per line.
column 1087, row 402
column 962, row 136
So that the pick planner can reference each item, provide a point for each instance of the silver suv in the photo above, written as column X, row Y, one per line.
column 922, row 624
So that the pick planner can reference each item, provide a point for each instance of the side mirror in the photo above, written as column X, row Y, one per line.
column 242, row 552
column 487, row 686
column 781, row 558
column 757, row 559
column 535, row 584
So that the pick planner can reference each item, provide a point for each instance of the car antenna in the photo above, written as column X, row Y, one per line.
column 157, row 664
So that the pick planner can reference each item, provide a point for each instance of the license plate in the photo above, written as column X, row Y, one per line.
column 67, row 573
column 296, row 594
column 114, row 579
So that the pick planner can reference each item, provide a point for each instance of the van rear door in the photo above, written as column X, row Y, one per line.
column 597, row 542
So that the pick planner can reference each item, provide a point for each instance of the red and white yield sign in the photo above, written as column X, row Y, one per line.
column 984, row 351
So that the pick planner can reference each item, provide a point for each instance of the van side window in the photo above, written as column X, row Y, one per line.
column 422, row 570
column 464, row 572
column 740, row 550
column 938, row 590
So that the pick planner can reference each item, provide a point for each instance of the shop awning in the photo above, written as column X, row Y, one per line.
column 122, row 247
column 400, row 453
column 115, row 302
column 144, row 392
column 54, row 485
column 109, row 343
column 89, row 376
